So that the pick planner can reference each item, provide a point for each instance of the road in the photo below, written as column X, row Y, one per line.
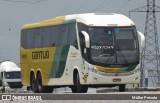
column 110, row 97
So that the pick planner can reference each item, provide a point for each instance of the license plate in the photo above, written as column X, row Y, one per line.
column 117, row 80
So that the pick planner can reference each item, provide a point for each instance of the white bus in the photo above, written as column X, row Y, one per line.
column 81, row 51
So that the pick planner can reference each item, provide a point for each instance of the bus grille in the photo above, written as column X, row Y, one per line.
column 15, row 84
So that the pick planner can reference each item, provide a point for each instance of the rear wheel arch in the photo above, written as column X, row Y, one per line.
column 32, row 72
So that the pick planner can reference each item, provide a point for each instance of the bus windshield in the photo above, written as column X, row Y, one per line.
column 114, row 45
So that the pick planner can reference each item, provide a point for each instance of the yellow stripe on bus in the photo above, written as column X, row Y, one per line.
column 107, row 69
column 49, row 22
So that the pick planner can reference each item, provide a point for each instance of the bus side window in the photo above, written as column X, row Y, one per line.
column 72, row 35
column 24, row 38
column 63, row 35
column 75, row 44
column 37, row 38
column 45, row 33
column 82, row 43
column 54, row 35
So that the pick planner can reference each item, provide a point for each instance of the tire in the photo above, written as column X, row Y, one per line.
column 122, row 88
column 73, row 88
column 28, row 88
column 49, row 89
column 33, row 83
column 41, row 88
column 3, row 90
column 78, row 88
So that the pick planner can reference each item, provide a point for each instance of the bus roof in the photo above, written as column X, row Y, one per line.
column 92, row 19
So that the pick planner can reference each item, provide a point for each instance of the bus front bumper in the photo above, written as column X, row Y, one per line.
column 113, row 78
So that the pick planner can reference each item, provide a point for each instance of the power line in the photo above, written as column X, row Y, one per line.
column 84, row 4
column 150, row 54
column 39, row 1
column 24, row 1
column 101, row 3
column 124, row 4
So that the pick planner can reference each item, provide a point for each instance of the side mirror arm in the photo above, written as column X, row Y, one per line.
column 142, row 37
column 87, row 39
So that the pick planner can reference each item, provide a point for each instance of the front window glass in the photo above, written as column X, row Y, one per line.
column 13, row 75
column 110, row 46
column 102, row 45
column 113, row 45
column 127, row 51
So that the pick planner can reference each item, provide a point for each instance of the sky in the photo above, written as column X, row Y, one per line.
column 13, row 15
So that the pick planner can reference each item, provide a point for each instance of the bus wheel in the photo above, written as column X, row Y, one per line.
column 122, row 88
column 41, row 88
column 3, row 89
column 33, row 83
column 78, row 88
column 49, row 89
column 28, row 88
column 73, row 88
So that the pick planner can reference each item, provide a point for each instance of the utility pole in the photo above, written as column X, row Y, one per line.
column 150, row 57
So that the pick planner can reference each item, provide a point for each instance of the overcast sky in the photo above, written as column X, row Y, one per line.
column 15, row 14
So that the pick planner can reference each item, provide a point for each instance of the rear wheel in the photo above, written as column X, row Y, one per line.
column 78, row 88
column 41, row 88
column 28, row 88
column 33, row 83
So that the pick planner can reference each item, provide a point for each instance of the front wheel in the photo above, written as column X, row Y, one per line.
column 3, row 89
column 77, row 87
column 122, row 88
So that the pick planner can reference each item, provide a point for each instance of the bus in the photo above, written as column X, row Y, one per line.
column 80, row 51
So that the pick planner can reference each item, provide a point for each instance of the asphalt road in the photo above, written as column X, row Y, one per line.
column 110, row 97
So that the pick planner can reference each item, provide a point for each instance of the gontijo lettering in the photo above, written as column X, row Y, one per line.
column 40, row 55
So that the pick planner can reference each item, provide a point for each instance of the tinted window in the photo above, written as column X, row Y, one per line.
column 54, row 35
column 24, row 38
column 125, row 39
column 13, row 75
column 63, row 35
column 37, row 38
column 30, row 40
column 72, row 36
column 46, row 36
column 82, row 27
column 57, row 35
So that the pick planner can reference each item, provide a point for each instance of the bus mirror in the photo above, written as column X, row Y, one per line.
column 86, row 37
column 142, row 39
